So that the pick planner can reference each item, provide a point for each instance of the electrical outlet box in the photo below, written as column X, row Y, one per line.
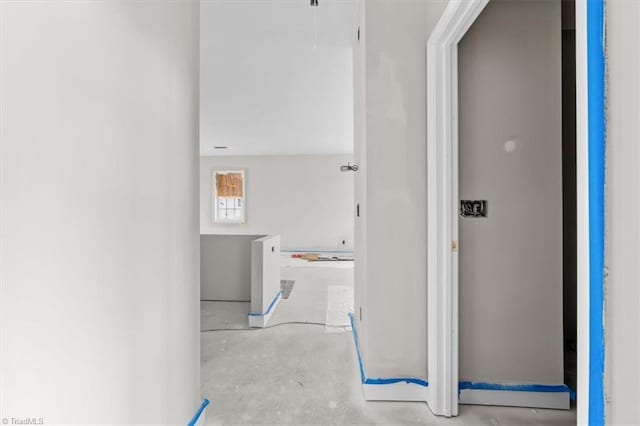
column 473, row 208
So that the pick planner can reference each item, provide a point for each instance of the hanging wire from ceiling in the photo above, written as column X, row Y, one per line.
column 315, row 29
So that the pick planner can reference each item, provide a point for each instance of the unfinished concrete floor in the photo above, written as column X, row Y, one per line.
column 304, row 375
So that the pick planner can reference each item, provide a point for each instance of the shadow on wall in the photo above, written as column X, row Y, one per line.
column 242, row 268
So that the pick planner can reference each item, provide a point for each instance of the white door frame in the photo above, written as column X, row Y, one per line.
column 442, row 202
column 442, row 206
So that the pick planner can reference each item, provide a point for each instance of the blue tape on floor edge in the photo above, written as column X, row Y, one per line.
column 368, row 381
column 273, row 302
column 596, row 147
column 461, row 385
column 419, row 382
column 517, row 388
column 354, row 333
column 196, row 416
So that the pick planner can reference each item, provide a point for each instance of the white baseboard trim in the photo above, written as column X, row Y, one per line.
column 555, row 400
column 401, row 391
column 392, row 389
column 261, row 320
column 472, row 393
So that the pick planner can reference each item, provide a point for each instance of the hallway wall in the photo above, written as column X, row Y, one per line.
column 305, row 199
column 391, row 137
column 99, row 249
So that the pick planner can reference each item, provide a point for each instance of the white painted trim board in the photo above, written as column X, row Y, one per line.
column 442, row 201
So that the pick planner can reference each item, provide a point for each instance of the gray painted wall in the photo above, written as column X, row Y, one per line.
column 623, row 204
column 225, row 267
column 99, row 309
column 511, row 312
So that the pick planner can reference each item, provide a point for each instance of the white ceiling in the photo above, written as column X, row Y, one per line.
column 270, row 83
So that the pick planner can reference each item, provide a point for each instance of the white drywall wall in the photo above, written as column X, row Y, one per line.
column 394, row 318
column 391, row 103
column 510, row 154
column 360, row 179
column 98, row 176
column 304, row 199
column 265, row 279
column 623, row 223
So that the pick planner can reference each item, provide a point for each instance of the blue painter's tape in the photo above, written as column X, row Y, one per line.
column 354, row 332
column 596, row 148
column 273, row 302
column 461, row 386
column 419, row 382
column 368, row 381
column 196, row 416
column 517, row 387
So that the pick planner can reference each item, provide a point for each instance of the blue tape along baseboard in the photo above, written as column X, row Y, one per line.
column 369, row 381
column 463, row 385
column 517, row 388
column 273, row 302
column 196, row 417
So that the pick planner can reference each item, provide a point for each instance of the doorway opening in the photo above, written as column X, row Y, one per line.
column 444, row 205
column 277, row 207
column 510, row 156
